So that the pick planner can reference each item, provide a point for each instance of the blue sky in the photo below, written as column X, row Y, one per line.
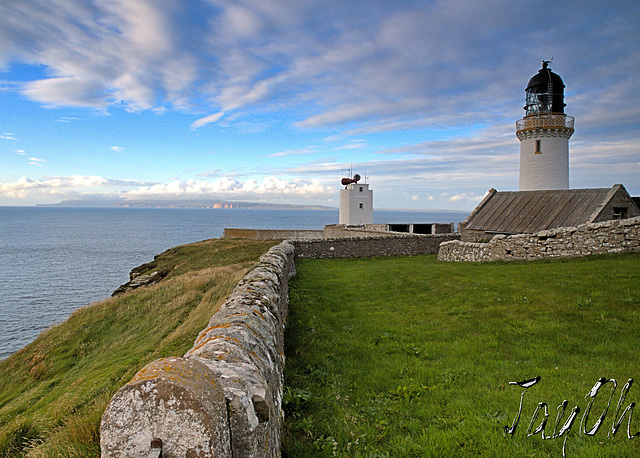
column 273, row 101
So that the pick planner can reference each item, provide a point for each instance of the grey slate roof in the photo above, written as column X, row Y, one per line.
column 533, row 211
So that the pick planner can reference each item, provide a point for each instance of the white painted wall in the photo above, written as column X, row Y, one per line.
column 356, row 205
column 548, row 168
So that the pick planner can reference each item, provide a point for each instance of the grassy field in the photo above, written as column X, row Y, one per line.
column 411, row 357
column 400, row 356
column 54, row 391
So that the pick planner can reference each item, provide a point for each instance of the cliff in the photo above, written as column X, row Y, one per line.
column 54, row 391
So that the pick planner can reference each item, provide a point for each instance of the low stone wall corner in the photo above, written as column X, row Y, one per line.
column 224, row 397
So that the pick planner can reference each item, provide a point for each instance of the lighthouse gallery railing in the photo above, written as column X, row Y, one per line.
column 553, row 121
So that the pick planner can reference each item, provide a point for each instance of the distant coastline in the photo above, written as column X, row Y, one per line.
column 218, row 204
column 215, row 205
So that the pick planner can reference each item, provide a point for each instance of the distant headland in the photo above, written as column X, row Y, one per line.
column 212, row 204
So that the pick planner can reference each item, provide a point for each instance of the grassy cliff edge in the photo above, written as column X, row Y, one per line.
column 53, row 392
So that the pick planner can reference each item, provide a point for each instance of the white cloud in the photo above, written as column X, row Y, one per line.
column 48, row 186
column 382, row 66
column 208, row 173
column 37, row 161
column 241, row 21
column 353, row 71
column 435, row 175
column 466, row 197
column 351, row 145
column 18, row 189
column 67, row 91
column 295, row 152
column 117, row 149
column 267, row 189
column 206, row 120
column 21, row 152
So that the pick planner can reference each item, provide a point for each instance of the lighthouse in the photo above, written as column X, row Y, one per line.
column 544, row 134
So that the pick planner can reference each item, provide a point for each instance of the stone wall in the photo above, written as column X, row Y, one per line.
column 271, row 234
column 339, row 231
column 390, row 245
column 335, row 231
column 597, row 238
column 223, row 398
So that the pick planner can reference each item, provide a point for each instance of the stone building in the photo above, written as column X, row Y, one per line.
column 527, row 212
column 545, row 200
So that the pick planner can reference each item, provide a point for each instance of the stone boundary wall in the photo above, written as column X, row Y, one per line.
column 587, row 239
column 271, row 234
column 336, row 231
column 223, row 398
column 340, row 231
column 395, row 245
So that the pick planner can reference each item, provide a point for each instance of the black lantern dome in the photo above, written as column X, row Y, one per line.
column 545, row 92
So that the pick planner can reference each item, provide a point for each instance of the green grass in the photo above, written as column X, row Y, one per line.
column 407, row 356
column 54, row 391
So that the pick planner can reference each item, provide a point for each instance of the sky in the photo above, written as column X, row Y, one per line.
column 276, row 101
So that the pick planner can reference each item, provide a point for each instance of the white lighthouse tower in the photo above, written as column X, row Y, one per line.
column 356, row 203
column 544, row 134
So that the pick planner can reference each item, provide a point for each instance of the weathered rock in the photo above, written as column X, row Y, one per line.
column 177, row 400
column 604, row 237
column 137, row 281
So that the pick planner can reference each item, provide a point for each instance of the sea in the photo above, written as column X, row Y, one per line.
column 54, row 260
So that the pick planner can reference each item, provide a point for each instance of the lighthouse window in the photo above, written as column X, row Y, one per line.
column 361, row 206
column 538, row 146
column 360, row 188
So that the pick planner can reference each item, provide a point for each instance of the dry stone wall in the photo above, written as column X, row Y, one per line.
column 340, row 231
column 597, row 238
column 224, row 397
column 364, row 247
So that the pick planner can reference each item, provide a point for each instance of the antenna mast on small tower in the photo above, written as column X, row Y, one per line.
column 356, row 202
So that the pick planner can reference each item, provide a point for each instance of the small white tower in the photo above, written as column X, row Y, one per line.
column 544, row 134
column 356, row 203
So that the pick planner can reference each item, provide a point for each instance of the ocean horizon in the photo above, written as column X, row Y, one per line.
column 54, row 260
